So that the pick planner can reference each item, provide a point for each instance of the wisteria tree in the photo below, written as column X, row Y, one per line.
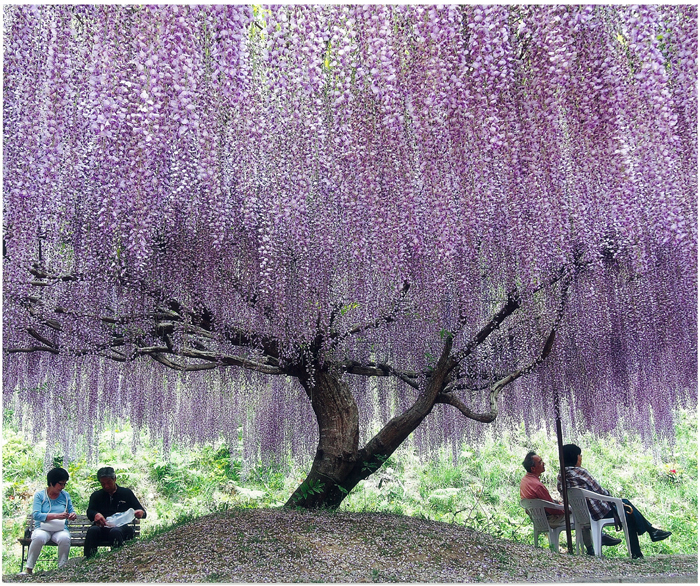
column 217, row 216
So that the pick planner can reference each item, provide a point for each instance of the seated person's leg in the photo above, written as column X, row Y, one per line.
column 62, row 539
column 128, row 532
column 632, row 526
column 560, row 521
column 641, row 523
column 556, row 520
column 39, row 539
column 587, row 539
column 118, row 535
column 93, row 536
column 643, row 526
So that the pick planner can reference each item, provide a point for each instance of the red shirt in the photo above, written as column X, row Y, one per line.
column 532, row 488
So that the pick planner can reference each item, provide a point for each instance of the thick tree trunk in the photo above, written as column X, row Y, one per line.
column 394, row 433
column 338, row 441
column 339, row 464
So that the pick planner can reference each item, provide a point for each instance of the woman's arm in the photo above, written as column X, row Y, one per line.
column 37, row 509
column 69, row 503
column 37, row 513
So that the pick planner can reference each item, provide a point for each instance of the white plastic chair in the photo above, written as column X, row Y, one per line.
column 579, row 506
column 536, row 510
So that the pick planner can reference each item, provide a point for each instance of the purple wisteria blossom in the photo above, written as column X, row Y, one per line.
column 224, row 220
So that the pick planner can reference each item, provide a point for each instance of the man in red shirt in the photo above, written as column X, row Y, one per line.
column 531, row 487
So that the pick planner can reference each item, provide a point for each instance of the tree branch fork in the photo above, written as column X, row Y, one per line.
column 344, row 464
column 193, row 354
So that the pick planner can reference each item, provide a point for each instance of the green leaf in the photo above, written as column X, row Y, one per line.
column 445, row 334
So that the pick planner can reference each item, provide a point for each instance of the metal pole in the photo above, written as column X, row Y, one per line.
column 564, row 494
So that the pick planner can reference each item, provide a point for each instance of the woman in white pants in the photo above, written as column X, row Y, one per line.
column 52, row 506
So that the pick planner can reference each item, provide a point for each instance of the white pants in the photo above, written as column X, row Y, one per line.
column 41, row 538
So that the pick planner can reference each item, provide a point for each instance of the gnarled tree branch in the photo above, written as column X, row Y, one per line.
column 28, row 349
column 392, row 435
column 378, row 369
column 181, row 367
column 449, row 398
column 32, row 332
column 490, row 416
column 514, row 300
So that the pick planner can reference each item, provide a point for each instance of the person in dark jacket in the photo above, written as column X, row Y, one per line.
column 111, row 499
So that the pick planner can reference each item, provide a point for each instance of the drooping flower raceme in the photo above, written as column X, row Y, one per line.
column 270, row 176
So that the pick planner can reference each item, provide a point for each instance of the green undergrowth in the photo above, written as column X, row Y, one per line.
column 478, row 488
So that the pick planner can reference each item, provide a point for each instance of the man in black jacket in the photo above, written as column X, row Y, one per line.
column 104, row 503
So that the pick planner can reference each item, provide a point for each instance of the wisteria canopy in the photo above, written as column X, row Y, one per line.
column 325, row 229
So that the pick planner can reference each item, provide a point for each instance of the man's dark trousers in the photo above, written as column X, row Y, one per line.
column 636, row 524
column 115, row 535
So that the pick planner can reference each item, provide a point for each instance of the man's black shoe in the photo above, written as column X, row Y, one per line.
column 590, row 550
column 659, row 534
column 637, row 556
column 607, row 540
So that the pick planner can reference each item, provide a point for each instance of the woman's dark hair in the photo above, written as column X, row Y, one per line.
column 528, row 462
column 56, row 475
column 571, row 453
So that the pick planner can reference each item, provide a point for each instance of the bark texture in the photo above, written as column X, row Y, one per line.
column 338, row 440
column 339, row 464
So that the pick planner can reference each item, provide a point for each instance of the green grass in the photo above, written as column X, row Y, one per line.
column 479, row 488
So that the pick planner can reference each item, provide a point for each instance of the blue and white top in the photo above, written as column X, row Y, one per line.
column 43, row 505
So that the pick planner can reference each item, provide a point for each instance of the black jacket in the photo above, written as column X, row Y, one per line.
column 102, row 502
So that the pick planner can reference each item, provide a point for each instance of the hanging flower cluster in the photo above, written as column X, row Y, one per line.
column 261, row 178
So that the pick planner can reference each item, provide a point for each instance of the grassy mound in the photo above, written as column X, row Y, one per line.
column 280, row 545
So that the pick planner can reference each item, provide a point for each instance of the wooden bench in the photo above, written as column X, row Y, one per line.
column 77, row 528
